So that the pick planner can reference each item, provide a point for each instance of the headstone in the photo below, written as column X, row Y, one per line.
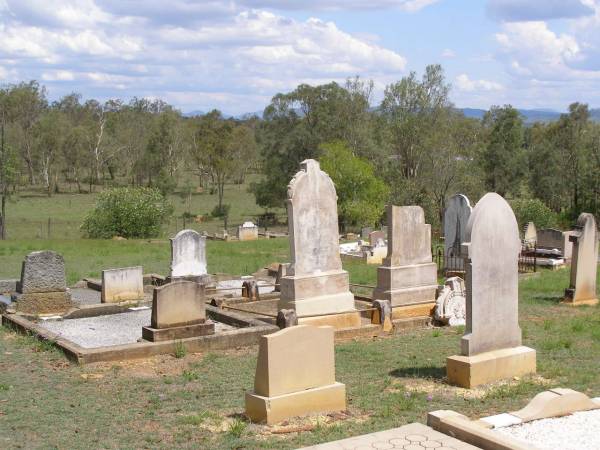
column 408, row 277
column 247, row 232
column 530, row 234
column 178, row 312
column 315, row 283
column 377, row 238
column 122, row 285
column 188, row 255
column 584, row 264
column 295, row 375
column 491, row 347
column 364, row 232
column 456, row 216
column 42, row 288
column 43, row 271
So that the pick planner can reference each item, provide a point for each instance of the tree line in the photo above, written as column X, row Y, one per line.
column 414, row 147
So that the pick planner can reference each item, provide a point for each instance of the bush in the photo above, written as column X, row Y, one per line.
column 533, row 210
column 127, row 212
column 222, row 211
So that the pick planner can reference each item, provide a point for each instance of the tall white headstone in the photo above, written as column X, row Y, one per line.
column 188, row 254
column 315, row 282
column 491, row 347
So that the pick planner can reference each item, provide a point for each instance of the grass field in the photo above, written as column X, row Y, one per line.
column 30, row 211
column 197, row 401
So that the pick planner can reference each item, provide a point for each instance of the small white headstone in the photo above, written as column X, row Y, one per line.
column 188, row 254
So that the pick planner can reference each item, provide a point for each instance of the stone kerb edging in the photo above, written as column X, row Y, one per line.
column 545, row 405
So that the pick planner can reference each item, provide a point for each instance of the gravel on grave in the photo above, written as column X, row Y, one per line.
column 579, row 431
column 85, row 296
column 113, row 329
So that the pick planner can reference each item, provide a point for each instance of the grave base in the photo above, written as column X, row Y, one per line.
column 569, row 299
column 347, row 320
column 471, row 371
column 406, row 312
column 276, row 409
column 186, row 331
column 44, row 302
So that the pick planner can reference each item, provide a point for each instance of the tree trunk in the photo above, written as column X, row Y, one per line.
column 3, row 218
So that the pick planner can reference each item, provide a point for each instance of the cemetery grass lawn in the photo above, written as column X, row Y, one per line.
column 197, row 401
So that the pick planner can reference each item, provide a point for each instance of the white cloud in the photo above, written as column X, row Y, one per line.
column 448, row 53
column 531, row 10
column 404, row 5
column 464, row 83
column 248, row 55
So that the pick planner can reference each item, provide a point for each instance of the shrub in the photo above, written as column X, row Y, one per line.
column 221, row 211
column 127, row 212
column 533, row 210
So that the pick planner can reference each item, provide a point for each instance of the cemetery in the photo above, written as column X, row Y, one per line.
column 460, row 318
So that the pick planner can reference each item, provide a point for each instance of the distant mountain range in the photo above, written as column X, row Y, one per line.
column 530, row 115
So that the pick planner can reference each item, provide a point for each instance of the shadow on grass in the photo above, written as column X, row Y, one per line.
column 546, row 299
column 437, row 373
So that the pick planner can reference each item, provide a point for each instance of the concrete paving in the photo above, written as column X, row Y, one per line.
column 114, row 329
column 414, row 436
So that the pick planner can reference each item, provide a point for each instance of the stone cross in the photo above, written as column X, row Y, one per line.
column 584, row 265
column 188, row 254
column 493, row 248
column 456, row 216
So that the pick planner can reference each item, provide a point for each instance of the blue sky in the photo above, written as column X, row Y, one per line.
column 235, row 55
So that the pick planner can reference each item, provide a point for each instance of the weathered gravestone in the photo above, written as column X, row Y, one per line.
column 456, row 216
column 295, row 375
column 122, row 285
column 247, row 232
column 584, row 264
column 178, row 312
column 408, row 277
column 491, row 347
column 315, row 283
column 43, row 286
column 188, row 256
column 377, row 238
column 553, row 239
column 530, row 234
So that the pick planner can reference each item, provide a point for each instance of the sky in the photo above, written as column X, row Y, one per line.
column 235, row 55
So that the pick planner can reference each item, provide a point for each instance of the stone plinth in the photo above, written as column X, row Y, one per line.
column 408, row 277
column 178, row 312
column 188, row 255
column 295, row 375
column 122, row 285
column 42, row 288
column 247, row 232
column 491, row 347
column 584, row 264
column 487, row 367
column 315, row 283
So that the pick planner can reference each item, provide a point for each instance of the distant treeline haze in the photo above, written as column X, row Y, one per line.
column 414, row 146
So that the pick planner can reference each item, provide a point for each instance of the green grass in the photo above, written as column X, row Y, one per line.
column 29, row 210
column 197, row 401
